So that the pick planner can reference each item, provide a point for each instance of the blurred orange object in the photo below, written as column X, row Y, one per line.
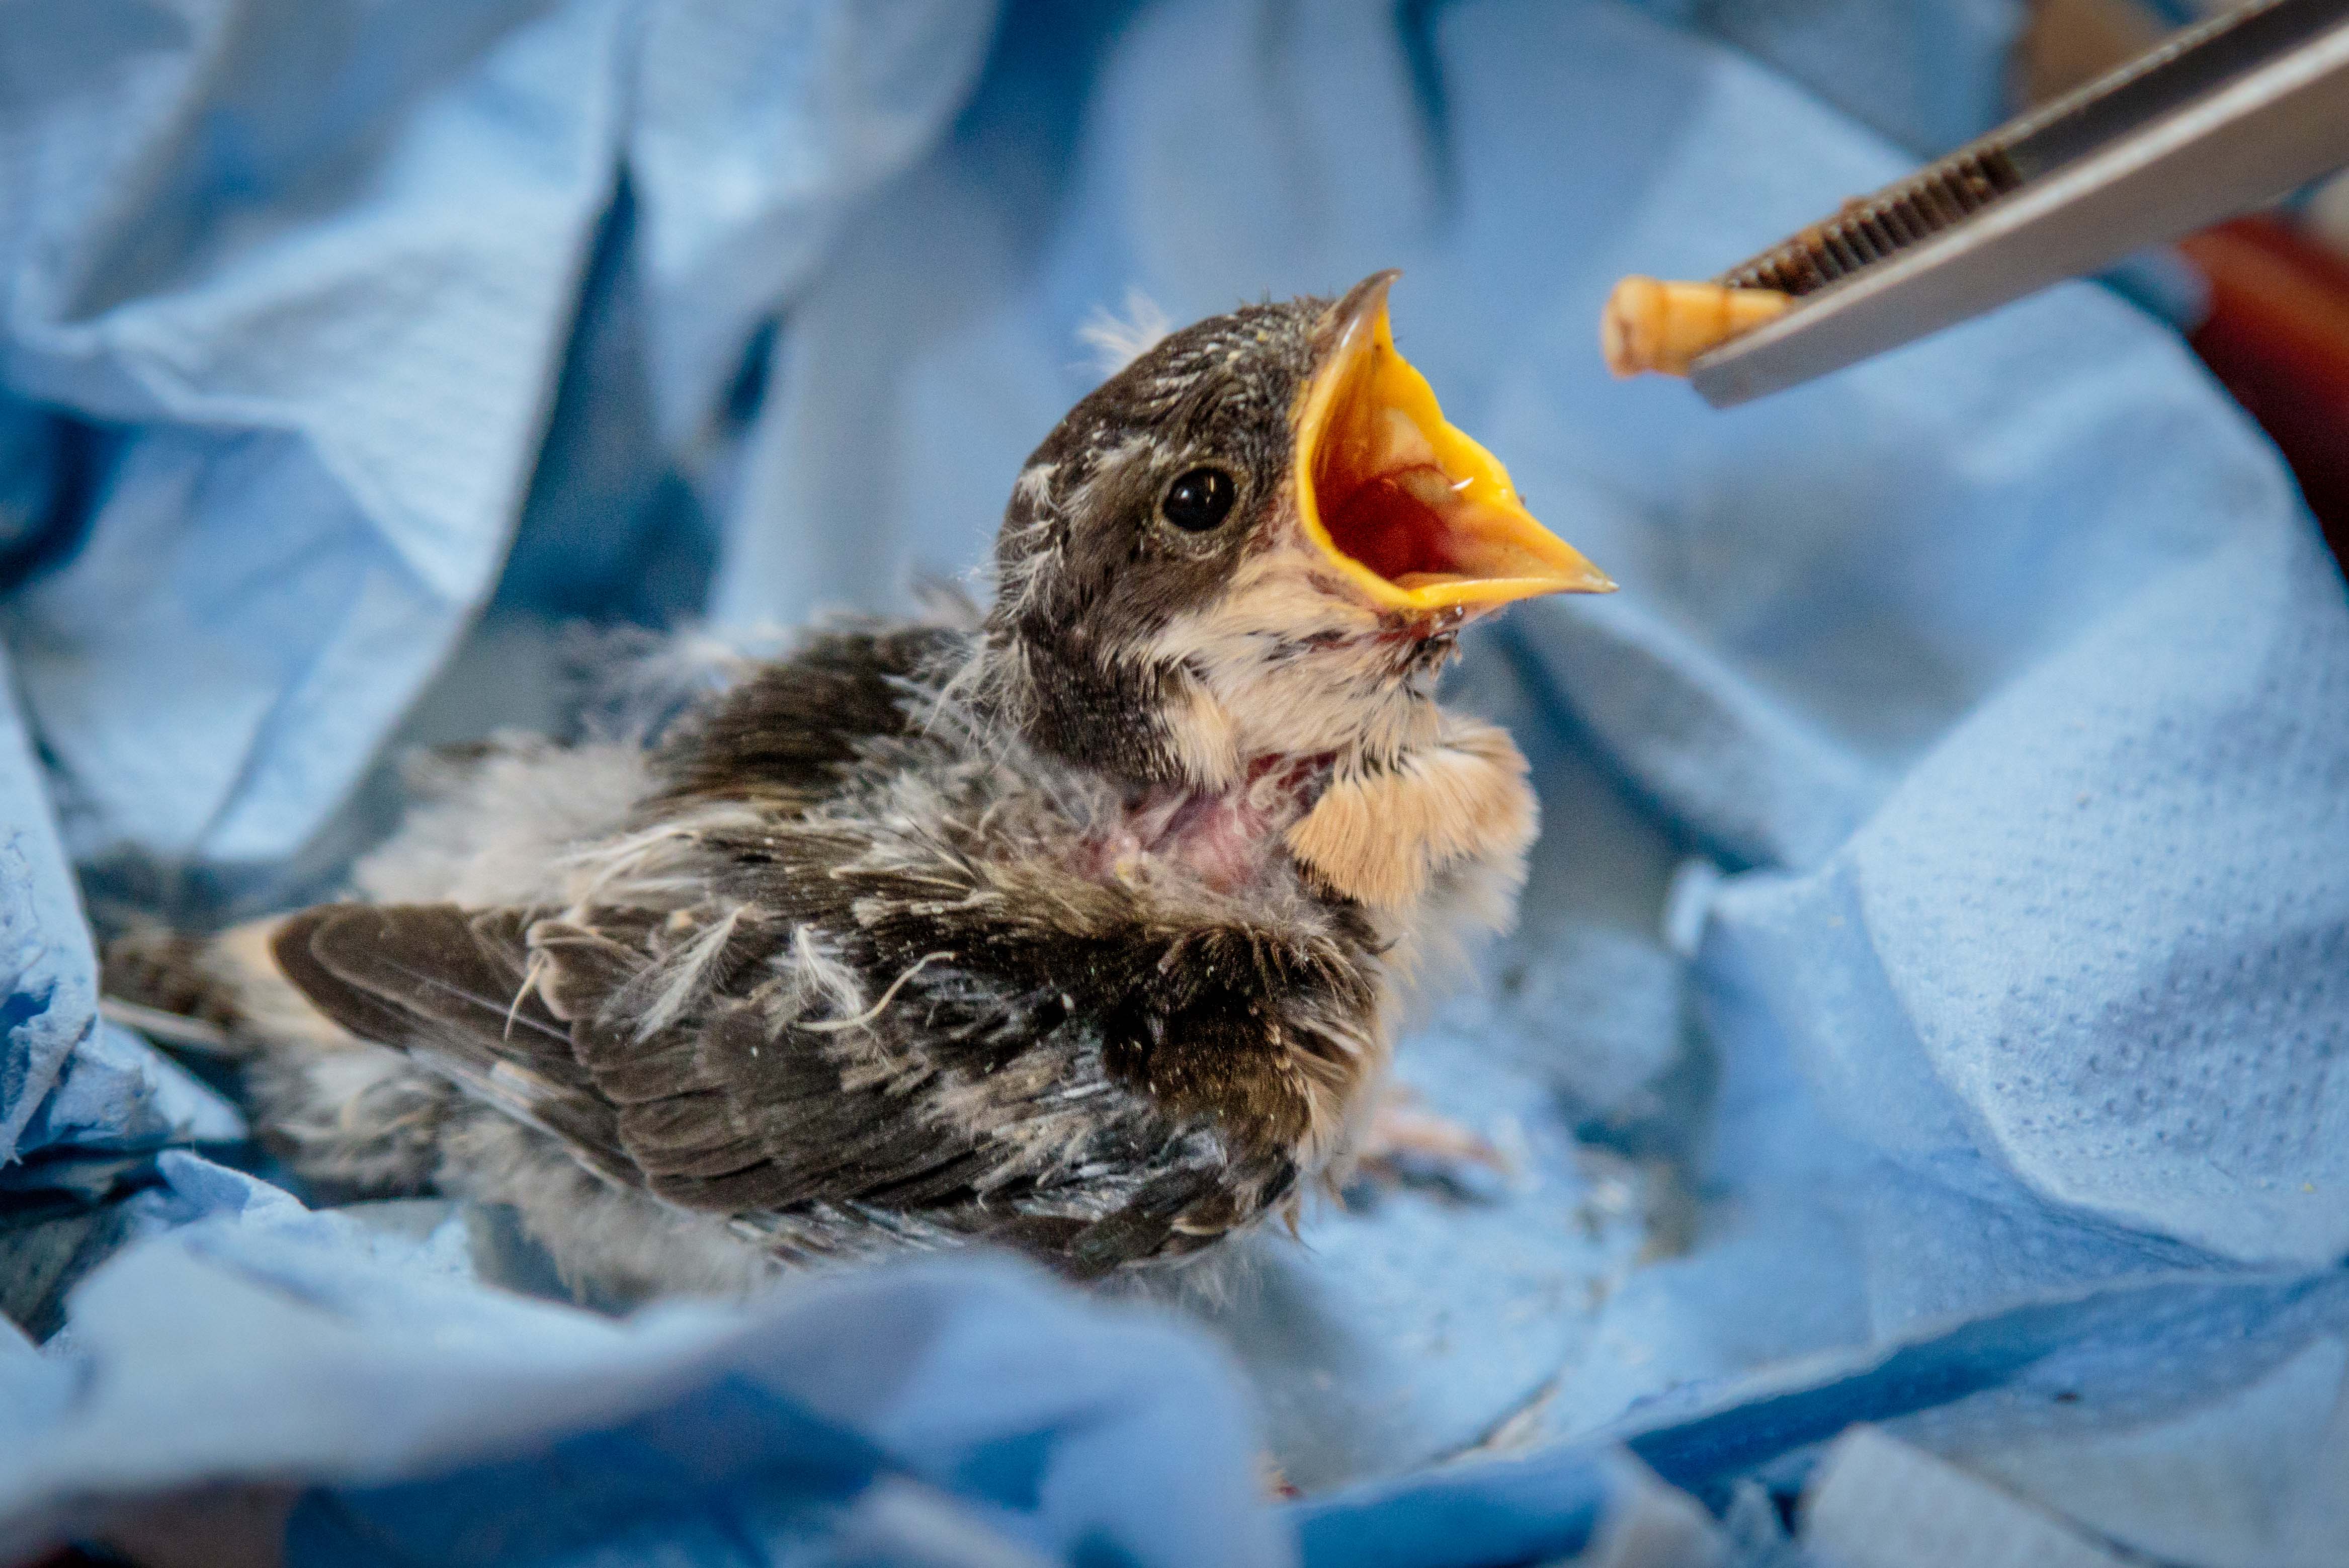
column 2277, row 335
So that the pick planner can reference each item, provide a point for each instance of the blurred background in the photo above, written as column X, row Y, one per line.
column 1924, row 1010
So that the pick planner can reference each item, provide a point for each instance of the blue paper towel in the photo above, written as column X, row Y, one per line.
column 1936, row 935
column 307, row 1347
column 308, row 270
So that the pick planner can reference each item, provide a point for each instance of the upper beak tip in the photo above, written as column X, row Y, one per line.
column 1366, row 300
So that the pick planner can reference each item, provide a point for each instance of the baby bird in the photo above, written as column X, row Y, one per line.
column 1079, row 930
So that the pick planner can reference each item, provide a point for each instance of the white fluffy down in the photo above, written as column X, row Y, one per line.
column 1118, row 340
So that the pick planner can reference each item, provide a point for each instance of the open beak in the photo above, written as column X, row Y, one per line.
column 1415, row 514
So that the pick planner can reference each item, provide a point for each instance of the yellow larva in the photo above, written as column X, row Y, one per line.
column 1652, row 326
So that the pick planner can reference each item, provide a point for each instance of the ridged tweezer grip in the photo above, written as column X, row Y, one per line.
column 1870, row 228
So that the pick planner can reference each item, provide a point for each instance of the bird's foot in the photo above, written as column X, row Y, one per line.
column 1277, row 1487
column 1406, row 1145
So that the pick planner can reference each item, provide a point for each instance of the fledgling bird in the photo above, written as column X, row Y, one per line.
column 1081, row 930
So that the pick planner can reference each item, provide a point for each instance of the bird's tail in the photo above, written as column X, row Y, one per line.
column 221, row 995
column 163, row 984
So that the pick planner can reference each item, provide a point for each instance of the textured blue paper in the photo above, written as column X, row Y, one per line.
column 1936, row 939
column 306, row 1345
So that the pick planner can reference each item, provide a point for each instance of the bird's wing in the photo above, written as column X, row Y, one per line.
column 704, row 1097
column 1089, row 1093
column 449, row 986
column 783, row 735
column 934, row 1062
column 734, row 1105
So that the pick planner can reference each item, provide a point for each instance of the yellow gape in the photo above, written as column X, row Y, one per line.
column 1415, row 514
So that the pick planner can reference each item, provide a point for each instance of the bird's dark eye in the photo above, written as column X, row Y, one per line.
column 1199, row 500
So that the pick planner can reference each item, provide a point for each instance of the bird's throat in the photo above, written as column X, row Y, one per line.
column 1377, row 834
column 1228, row 839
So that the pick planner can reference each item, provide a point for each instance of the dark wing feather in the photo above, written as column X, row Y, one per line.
column 737, row 1104
column 447, row 985
column 785, row 733
column 715, row 1112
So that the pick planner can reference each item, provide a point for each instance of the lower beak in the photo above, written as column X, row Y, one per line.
column 1411, row 512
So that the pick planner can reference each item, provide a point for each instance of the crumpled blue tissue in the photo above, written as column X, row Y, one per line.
column 304, row 276
column 1007, row 1425
column 1930, row 972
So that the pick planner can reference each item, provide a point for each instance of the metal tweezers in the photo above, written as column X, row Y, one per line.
column 2222, row 118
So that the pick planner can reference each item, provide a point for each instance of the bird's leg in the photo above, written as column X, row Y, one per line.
column 1406, row 1140
column 1277, row 1488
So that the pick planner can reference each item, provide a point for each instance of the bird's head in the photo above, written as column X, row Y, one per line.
column 1258, row 540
